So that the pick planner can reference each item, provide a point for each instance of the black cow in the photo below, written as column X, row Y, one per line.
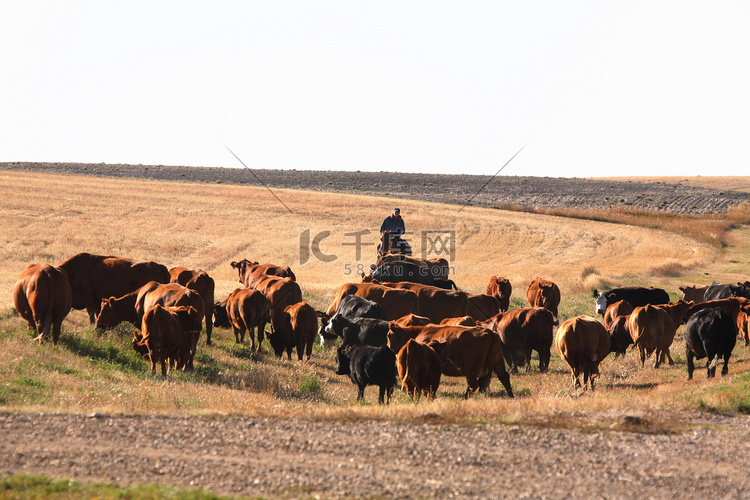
column 368, row 331
column 724, row 291
column 710, row 333
column 636, row 296
column 395, row 272
column 350, row 306
column 368, row 365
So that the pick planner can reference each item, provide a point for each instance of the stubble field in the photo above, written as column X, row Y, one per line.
column 49, row 217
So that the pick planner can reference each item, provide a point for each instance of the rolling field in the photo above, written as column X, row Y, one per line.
column 50, row 217
column 209, row 226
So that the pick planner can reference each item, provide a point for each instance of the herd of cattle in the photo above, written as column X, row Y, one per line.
column 405, row 320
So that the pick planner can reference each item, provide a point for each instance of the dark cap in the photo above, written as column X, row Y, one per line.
column 396, row 209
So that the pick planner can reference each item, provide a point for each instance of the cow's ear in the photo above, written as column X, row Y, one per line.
column 234, row 264
column 596, row 293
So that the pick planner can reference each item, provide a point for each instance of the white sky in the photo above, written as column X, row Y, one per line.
column 595, row 88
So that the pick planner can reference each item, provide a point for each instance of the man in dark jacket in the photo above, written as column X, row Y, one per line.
column 395, row 224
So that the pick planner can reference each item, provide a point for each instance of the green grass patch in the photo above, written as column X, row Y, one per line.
column 27, row 486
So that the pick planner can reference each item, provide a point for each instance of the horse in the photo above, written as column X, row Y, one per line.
column 393, row 243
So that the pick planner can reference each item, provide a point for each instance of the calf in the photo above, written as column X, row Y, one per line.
column 544, row 293
column 501, row 289
column 619, row 335
column 201, row 282
column 583, row 343
column 710, row 333
column 419, row 367
column 244, row 310
column 43, row 297
column 693, row 293
column 368, row 331
column 298, row 327
column 619, row 308
column 368, row 365
column 166, row 339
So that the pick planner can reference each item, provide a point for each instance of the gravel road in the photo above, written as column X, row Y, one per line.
column 281, row 457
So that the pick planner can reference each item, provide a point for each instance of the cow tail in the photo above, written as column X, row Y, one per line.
column 406, row 371
column 50, row 306
column 715, row 361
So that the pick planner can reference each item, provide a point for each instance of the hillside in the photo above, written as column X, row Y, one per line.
column 678, row 196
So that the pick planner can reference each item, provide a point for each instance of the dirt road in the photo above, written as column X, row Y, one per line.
column 278, row 457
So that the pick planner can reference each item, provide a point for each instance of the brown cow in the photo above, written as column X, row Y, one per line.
column 132, row 306
column 298, row 328
column 436, row 303
column 743, row 326
column 521, row 331
column 732, row 305
column 619, row 308
column 202, row 283
column 419, row 368
column 170, row 334
column 471, row 352
column 693, row 293
column 462, row 321
column 95, row 277
column 619, row 335
column 42, row 296
column 396, row 302
column 413, row 320
column 543, row 293
column 243, row 310
column 653, row 328
column 481, row 307
column 251, row 272
column 583, row 343
column 280, row 292
column 501, row 289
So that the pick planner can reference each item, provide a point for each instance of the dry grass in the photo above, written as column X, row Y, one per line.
column 727, row 183
column 48, row 218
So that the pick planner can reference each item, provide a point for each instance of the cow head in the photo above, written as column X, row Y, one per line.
column 108, row 315
column 343, row 360
column 242, row 268
column 602, row 301
column 326, row 339
column 137, row 344
column 277, row 343
column 336, row 325
column 221, row 316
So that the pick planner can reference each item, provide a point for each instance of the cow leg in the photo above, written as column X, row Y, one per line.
column 381, row 394
column 576, row 383
column 710, row 372
column 669, row 357
column 209, row 325
column 261, row 334
column 659, row 356
column 690, row 363
column 361, row 393
column 642, row 353
column 504, row 378
column 152, row 358
column 725, row 368
column 484, row 382
column 300, row 349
